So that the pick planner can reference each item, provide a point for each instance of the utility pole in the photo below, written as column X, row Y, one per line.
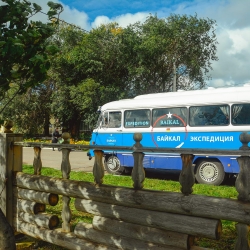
column 174, row 78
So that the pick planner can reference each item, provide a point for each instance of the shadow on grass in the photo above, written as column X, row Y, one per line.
column 174, row 176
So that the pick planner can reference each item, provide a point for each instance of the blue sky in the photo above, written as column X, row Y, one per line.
column 231, row 16
column 111, row 8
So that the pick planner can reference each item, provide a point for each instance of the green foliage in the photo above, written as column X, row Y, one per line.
column 24, row 52
column 108, row 63
column 187, row 42
column 31, row 111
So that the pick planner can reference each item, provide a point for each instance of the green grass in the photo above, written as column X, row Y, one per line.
column 226, row 242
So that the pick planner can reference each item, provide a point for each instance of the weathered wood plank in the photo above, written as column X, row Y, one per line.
column 150, row 234
column 242, row 237
column 60, row 238
column 197, row 205
column 30, row 206
column 85, row 230
column 39, row 197
column 48, row 221
column 196, row 226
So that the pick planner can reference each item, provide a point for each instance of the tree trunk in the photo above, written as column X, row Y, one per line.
column 46, row 125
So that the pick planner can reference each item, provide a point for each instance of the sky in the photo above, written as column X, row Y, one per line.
column 232, row 30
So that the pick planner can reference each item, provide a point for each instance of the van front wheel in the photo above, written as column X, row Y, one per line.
column 210, row 172
column 113, row 165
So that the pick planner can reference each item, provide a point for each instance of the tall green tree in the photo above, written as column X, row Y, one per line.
column 96, row 56
column 90, row 58
column 24, row 50
column 65, row 75
column 181, row 42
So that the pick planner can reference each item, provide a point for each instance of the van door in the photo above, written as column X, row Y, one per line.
column 111, row 132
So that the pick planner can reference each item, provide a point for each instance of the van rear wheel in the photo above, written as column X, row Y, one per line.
column 210, row 172
column 113, row 165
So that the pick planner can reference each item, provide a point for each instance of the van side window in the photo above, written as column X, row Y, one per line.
column 115, row 119
column 139, row 118
column 112, row 119
column 215, row 115
column 240, row 114
column 170, row 117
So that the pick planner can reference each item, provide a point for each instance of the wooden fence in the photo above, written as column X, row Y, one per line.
column 124, row 218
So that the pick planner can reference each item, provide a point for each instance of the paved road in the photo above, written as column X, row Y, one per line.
column 78, row 159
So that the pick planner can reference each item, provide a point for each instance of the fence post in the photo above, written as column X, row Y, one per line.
column 37, row 162
column 98, row 168
column 66, row 169
column 138, row 172
column 10, row 161
column 242, row 185
column 187, row 178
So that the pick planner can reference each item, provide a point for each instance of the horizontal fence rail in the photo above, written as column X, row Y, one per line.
column 196, row 151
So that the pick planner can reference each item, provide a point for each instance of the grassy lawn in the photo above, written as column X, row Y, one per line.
column 228, row 236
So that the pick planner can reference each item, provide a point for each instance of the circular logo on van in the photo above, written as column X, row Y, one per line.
column 169, row 121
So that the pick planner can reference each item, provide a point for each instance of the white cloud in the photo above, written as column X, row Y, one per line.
column 100, row 20
column 219, row 83
column 126, row 19
column 233, row 35
column 233, row 53
column 75, row 17
column 122, row 20
column 240, row 40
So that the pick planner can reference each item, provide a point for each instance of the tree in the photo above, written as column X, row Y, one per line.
column 86, row 98
column 65, row 75
column 92, row 59
column 186, row 43
column 97, row 55
column 30, row 111
column 24, row 51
